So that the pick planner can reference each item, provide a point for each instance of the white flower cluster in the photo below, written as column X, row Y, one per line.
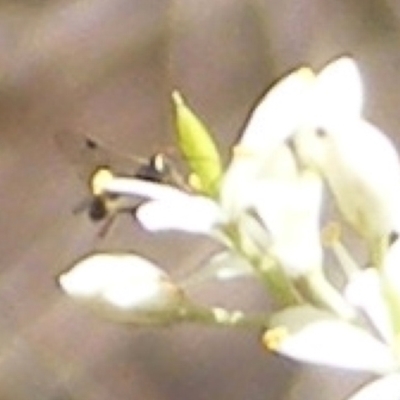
column 307, row 134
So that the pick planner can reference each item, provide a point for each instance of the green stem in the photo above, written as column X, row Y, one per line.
column 266, row 267
column 222, row 317
column 275, row 280
column 323, row 294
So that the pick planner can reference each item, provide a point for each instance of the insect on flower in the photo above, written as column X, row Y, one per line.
column 95, row 165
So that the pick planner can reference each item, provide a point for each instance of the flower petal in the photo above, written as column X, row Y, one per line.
column 386, row 388
column 365, row 291
column 290, row 210
column 194, row 214
column 278, row 113
column 240, row 187
column 123, row 287
column 367, row 194
column 392, row 264
column 311, row 335
column 126, row 186
column 390, row 279
column 338, row 92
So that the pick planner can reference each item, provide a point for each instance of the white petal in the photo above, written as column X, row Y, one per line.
column 391, row 279
column 278, row 113
column 240, row 188
column 364, row 291
column 316, row 337
column 143, row 188
column 123, row 295
column 392, row 264
column 386, row 388
column 192, row 214
column 338, row 92
column 290, row 211
column 375, row 193
column 92, row 273
column 123, row 287
column 252, row 232
column 366, row 191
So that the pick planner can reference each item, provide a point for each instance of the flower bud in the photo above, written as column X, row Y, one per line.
column 124, row 287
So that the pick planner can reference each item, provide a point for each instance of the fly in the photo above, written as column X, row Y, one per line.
column 94, row 163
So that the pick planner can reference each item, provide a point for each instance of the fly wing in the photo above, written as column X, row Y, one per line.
column 88, row 154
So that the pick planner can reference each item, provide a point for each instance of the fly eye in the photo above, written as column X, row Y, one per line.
column 155, row 170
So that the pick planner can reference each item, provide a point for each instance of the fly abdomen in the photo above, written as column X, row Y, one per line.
column 98, row 209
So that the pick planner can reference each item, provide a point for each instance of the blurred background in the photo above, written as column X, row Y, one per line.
column 106, row 69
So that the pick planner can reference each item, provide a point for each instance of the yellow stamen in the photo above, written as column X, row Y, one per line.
column 99, row 180
column 307, row 73
column 273, row 338
column 331, row 234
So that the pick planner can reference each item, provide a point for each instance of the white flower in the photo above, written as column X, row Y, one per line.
column 263, row 176
column 390, row 282
column 260, row 152
column 290, row 209
column 386, row 388
column 190, row 213
column 311, row 335
column 364, row 291
column 124, row 287
column 373, row 291
column 358, row 162
column 392, row 263
column 337, row 92
column 267, row 129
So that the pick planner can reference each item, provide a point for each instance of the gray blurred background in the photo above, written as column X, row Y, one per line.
column 106, row 69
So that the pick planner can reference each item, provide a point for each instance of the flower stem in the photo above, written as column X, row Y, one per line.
column 222, row 317
column 265, row 266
